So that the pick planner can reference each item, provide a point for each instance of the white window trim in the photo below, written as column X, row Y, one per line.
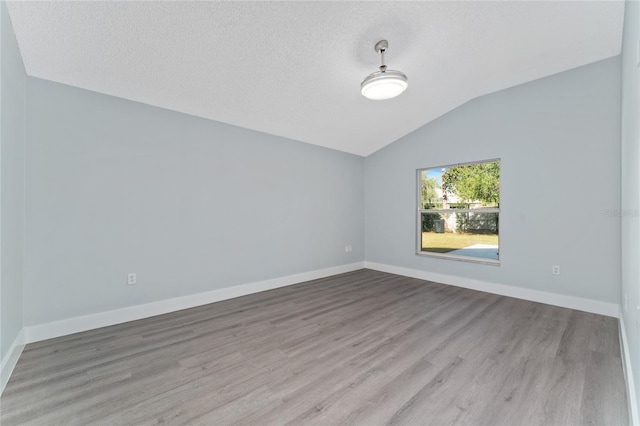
column 420, row 211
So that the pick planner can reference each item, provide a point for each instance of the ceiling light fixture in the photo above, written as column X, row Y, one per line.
column 383, row 84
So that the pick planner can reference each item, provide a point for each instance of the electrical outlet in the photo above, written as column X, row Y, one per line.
column 555, row 269
column 131, row 278
column 625, row 303
column 348, row 249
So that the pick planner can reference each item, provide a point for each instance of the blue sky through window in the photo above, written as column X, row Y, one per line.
column 436, row 174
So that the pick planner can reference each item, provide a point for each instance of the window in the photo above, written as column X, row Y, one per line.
column 459, row 211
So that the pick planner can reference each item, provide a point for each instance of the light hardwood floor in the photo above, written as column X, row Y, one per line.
column 363, row 348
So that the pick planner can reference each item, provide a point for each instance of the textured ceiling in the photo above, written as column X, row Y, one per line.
column 294, row 68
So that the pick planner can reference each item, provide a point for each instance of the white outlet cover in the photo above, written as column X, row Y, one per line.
column 626, row 303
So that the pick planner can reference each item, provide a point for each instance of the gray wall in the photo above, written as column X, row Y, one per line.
column 559, row 141
column 631, row 185
column 12, row 139
column 189, row 204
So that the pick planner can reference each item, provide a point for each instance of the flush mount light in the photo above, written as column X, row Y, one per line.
column 383, row 84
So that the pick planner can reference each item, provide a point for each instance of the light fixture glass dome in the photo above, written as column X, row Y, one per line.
column 383, row 84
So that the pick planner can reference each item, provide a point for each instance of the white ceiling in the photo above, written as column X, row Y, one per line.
column 294, row 68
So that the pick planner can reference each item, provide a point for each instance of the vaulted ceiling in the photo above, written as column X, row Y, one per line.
column 294, row 69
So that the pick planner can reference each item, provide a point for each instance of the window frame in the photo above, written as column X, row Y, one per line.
column 420, row 212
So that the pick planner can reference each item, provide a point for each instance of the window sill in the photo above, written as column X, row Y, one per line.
column 469, row 259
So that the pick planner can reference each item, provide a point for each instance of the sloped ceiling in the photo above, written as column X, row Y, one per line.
column 294, row 69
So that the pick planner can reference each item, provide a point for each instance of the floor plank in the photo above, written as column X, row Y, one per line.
column 363, row 347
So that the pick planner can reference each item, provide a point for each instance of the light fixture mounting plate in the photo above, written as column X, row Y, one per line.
column 381, row 45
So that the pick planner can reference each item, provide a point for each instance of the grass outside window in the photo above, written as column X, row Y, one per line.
column 447, row 242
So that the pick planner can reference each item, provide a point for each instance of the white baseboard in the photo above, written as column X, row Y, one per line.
column 68, row 326
column 11, row 359
column 102, row 319
column 628, row 375
column 572, row 302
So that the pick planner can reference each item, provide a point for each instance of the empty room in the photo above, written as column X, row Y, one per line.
column 364, row 213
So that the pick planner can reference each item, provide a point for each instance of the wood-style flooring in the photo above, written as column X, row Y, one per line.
column 366, row 348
